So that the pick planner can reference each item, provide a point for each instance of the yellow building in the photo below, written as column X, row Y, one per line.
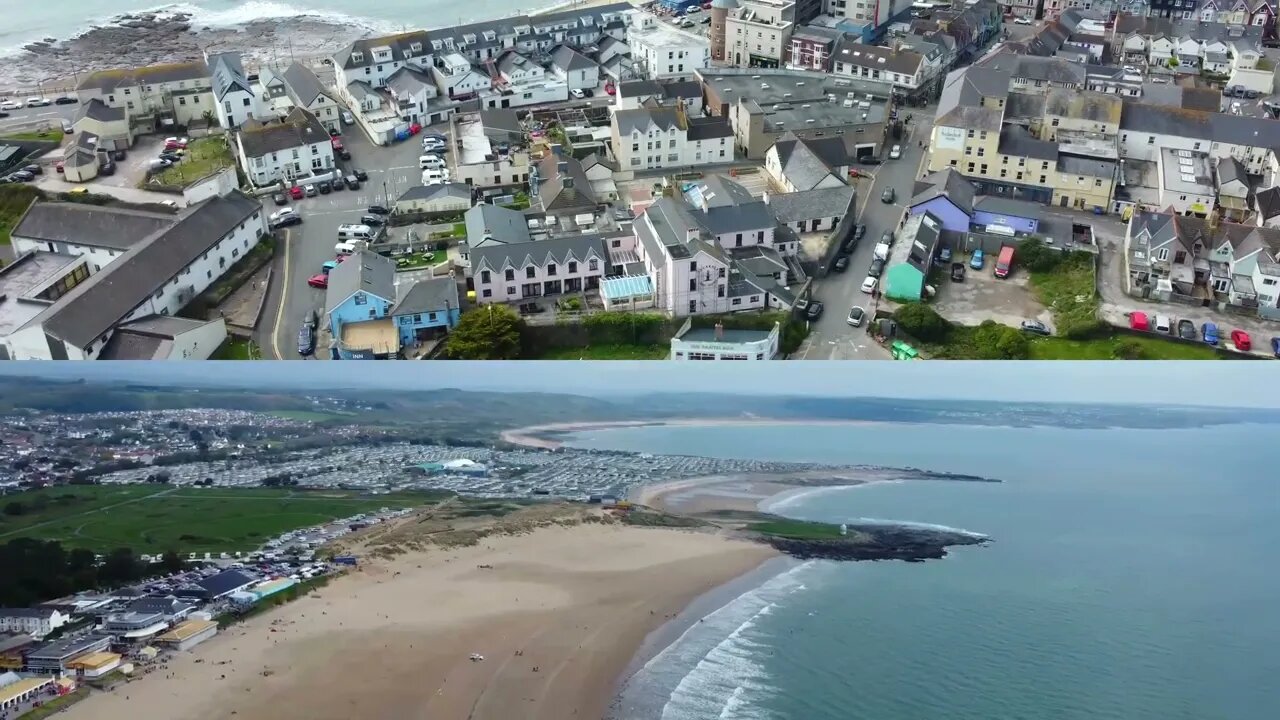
column 16, row 693
column 188, row 634
column 94, row 665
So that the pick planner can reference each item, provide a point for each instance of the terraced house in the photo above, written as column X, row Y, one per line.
column 181, row 92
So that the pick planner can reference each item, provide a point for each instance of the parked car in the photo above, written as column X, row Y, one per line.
column 334, row 132
column 886, row 237
column 38, row 102
column 1024, row 20
column 176, row 142
column 118, row 155
column 279, row 199
column 1186, row 329
column 1140, row 321
column 841, row 264
column 296, row 192
column 33, row 169
column 66, row 100
column 813, row 311
column 11, row 105
column 372, row 220
column 58, row 166
column 876, row 269
column 1035, row 327
column 4, row 114
column 1241, row 340
column 336, row 142
column 944, row 254
column 306, row 340
column 1275, row 346
column 577, row 94
column 348, row 118
column 889, row 195
column 337, row 184
column 856, row 316
column 353, row 183
column 288, row 220
column 869, row 160
column 1209, row 333
column 324, row 187
column 361, row 175
column 978, row 259
column 107, row 169
column 319, row 280
column 21, row 176
column 344, row 153
column 310, row 190
column 378, row 210
column 870, row 284
column 957, row 272
column 859, row 231
column 896, row 152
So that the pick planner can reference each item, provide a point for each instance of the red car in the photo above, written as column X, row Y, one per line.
column 296, row 192
column 1139, row 321
column 414, row 129
column 1241, row 340
column 340, row 259
column 58, row 166
column 319, row 280
column 336, row 142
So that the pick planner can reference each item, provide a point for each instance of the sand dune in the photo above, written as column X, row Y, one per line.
column 393, row 639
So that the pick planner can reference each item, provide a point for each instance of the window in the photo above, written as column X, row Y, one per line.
column 486, row 293
column 530, row 272
column 1162, row 254
column 693, row 285
column 573, row 267
column 484, row 277
column 551, row 269
column 693, row 306
column 593, row 265
column 509, row 275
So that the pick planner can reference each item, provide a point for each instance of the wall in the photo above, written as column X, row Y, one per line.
column 952, row 218
column 200, row 343
column 499, row 289
column 350, row 311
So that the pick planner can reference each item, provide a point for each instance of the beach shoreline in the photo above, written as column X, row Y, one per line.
column 543, row 436
column 558, row 614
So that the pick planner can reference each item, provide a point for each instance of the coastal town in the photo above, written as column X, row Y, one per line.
column 136, row 536
column 729, row 180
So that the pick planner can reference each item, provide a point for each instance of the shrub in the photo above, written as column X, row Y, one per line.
column 1128, row 350
column 993, row 341
column 923, row 323
column 623, row 328
column 491, row 332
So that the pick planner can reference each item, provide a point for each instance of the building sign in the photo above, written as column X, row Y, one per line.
column 950, row 138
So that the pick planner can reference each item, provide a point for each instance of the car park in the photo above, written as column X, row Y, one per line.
column 1241, row 340
column 1035, row 327
column 319, row 280
column 895, row 152
column 957, row 272
column 1186, row 329
column 841, row 264
column 870, row 284
column 888, row 196
column 1209, row 333
column 856, row 316
column 978, row 259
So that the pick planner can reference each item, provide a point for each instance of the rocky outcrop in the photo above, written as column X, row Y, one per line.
column 877, row 542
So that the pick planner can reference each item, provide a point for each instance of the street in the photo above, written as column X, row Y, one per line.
column 32, row 118
column 831, row 337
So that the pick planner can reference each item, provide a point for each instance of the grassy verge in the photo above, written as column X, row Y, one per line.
column 797, row 529
column 155, row 518
column 50, row 135
column 1119, row 346
column 204, row 156
column 236, row 349
column 609, row 352
column 57, row 705
column 1068, row 290
column 14, row 200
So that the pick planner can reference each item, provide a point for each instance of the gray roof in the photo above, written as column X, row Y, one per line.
column 564, row 189
column 1087, row 166
column 948, row 183
column 672, row 224
column 638, row 88
column 428, row 192
column 365, row 271
column 91, row 225
column 802, row 161
column 304, row 87
column 727, row 207
column 82, row 151
column 92, row 308
column 298, row 129
column 407, row 81
column 643, row 118
column 566, row 58
column 1008, row 206
column 1015, row 140
column 513, row 60
column 594, row 159
column 1218, row 127
column 1268, row 201
column 35, row 612
column 708, row 128
column 928, row 232
column 150, row 338
column 559, row 250
column 425, row 296
column 812, row 204
column 1231, row 170
column 228, row 74
column 503, row 120
column 1033, row 67
column 95, row 109
column 108, row 80
column 493, row 224
column 849, row 50
column 360, row 90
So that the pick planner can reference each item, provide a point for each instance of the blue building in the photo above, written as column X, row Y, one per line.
column 358, row 304
column 426, row 310
column 948, row 195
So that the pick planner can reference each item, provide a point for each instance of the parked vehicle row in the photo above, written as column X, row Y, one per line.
column 1185, row 329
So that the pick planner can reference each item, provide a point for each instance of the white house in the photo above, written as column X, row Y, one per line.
column 717, row 343
column 807, row 164
column 458, row 78
column 308, row 93
column 1145, row 129
column 650, row 138
column 662, row 51
column 508, row 265
column 37, row 622
column 899, row 68
column 182, row 92
column 159, row 274
column 489, row 153
column 284, row 151
column 413, row 93
column 575, row 69
column 232, row 92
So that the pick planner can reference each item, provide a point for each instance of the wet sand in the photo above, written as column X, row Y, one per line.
column 542, row 436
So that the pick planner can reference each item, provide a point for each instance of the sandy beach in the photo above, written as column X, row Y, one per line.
column 747, row 493
column 557, row 618
column 535, row 436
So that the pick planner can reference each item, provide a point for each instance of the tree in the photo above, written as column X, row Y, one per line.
column 15, row 508
column 994, row 341
column 1036, row 257
column 488, row 333
column 172, row 562
column 923, row 322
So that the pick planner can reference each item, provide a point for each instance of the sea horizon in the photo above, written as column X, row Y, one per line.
column 764, row 645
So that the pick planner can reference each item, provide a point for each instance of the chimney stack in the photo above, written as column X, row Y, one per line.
column 719, row 331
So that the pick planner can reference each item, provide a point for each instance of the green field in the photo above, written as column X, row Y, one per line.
column 311, row 415
column 797, row 529
column 609, row 352
column 1118, row 346
column 156, row 518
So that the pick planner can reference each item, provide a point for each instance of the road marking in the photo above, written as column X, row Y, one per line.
column 284, row 292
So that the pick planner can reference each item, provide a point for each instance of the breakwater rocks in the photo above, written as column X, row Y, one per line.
column 877, row 542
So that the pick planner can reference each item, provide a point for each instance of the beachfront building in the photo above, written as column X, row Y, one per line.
column 305, row 90
column 232, row 92
column 719, row 343
column 153, row 96
column 516, row 80
column 16, row 690
column 187, row 634
column 52, row 657
column 284, row 151
column 653, row 138
column 140, row 267
column 95, row 665
column 36, row 622
column 660, row 50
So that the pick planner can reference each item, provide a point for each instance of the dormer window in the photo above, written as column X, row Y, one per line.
column 415, row 47
column 469, row 38
column 408, row 54
column 357, row 57
column 587, row 20
column 522, row 30
column 435, row 44
column 448, row 42
column 490, row 35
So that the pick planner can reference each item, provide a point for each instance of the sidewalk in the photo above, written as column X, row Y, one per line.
column 242, row 308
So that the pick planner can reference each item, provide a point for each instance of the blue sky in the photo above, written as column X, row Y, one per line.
column 1232, row 384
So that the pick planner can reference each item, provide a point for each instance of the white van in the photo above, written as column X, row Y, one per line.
column 355, row 232
column 1164, row 324
column 430, row 161
column 435, row 177
column 345, row 248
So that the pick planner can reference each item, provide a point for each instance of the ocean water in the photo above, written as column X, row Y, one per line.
column 24, row 22
column 1132, row 577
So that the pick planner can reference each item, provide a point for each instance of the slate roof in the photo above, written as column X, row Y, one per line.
column 709, row 128
column 1268, row 201
column 1033, row 67
column 494, row 224
column 849, row 50
column 304, row 87
column 91, row 225
column 594, row 159
column 82, row 151
column 410, row 82
column 428, row 192
column 559, row 250
column 228, row 74
column 566, row 58
column 224, row 582
column 948, row 183
column 962, row 93
column 643, row 118
column 92, row 308
column 1218, row 127
column 812, row 204
column 298, row 129
column 805, row 163
column 727, row 207
column 431, row 295
column 511, row 61
column 1231, row 170
column 108, row 81
column 365, row 271
column 555, row 194
column 95, row 109
column 1017, row 141
column 1008, row 206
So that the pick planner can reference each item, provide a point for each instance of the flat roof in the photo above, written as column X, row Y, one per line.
column 21, row 278
column 380, row 336
column 94, row 660
column 727, row 335
column 475, row 145
column 186, row 629
column 25, row 685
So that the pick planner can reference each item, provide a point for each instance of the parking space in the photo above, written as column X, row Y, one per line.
column 132, row 171
column 982, row 296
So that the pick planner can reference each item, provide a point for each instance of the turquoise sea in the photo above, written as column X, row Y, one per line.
column 1132, row 577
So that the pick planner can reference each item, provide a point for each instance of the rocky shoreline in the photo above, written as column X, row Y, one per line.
column 876, row 542
column 137, row 40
